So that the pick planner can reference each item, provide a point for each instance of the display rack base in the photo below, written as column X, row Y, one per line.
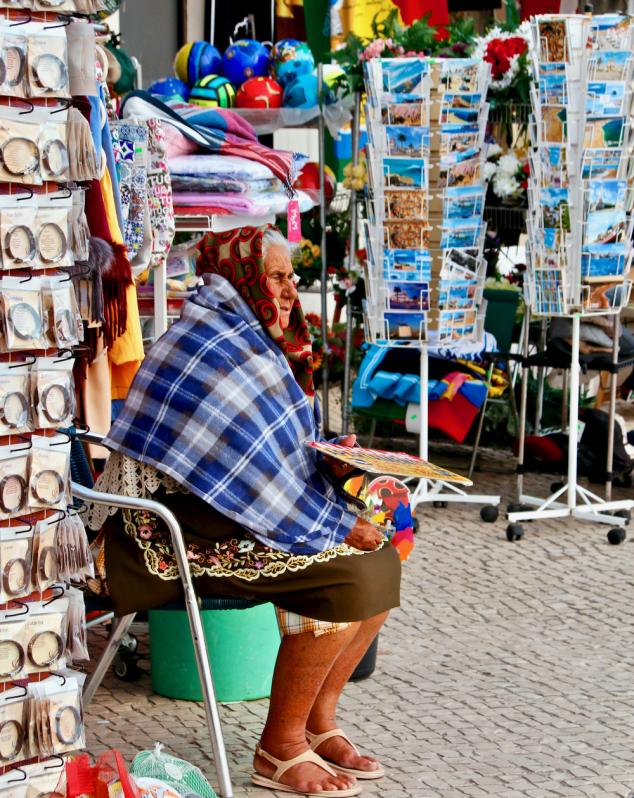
column 433, row 491
column 593, row 508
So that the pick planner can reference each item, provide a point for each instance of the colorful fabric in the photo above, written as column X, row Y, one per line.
column 255, row 205
column 130, row 146
column 291, row 623
column 216, row 407
column 237, row 256
column 160, row 206
column 216, row 130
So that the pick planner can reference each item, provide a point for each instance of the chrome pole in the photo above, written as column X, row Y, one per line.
column 325, row 381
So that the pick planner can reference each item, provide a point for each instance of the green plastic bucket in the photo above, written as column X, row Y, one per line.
column 242, row 647
column 499, row 319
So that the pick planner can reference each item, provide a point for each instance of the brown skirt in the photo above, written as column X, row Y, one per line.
column 338, row 585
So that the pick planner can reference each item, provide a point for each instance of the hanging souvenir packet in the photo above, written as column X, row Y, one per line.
column 47, row 67
column 15, row 416
column 34, row 643
column 58, row 712
column 23, row 320
column 49, row 479
column 53, row 393
column 13, row 58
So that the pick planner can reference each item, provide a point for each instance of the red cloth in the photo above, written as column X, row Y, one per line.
column 533, row 7
column 453, row 417
column 411, row 10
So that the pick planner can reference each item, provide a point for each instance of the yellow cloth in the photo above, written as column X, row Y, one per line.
column 126, row 353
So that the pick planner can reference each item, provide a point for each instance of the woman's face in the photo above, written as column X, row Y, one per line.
column 281, row 281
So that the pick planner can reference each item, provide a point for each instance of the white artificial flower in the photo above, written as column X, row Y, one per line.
column 504, row 186
column 493, row 150
column 508, row 164
column 489, row 170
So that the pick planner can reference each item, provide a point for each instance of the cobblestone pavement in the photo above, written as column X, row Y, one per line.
column 506, row 672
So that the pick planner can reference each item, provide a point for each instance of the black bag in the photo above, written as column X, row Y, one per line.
column 593, row 448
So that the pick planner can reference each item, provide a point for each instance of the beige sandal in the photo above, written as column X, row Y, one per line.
column 284, row 765
column 316, row 740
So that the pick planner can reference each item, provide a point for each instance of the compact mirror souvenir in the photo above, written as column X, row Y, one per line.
column 50, row 72
column 11, row 658
column 14, row 61
column 19, row 242
column 51, row 242
column 14, row 410
column 47, row 487
column 55, row 157
column 68, row 724
column 12, row 494
column 20, row 156
column 16, row 576
column 25, row 321
column 45, row 648
column 11, row 739
column 56, row 403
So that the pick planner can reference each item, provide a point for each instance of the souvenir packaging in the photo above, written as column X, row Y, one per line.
column 16, row 557
column 19, row 153
column 76, row 638
column 48, row 65
column 50, row 468
column 53, row 146
column 23, row 316
column 15, row 406
column 66, row 323
column 45, row 570
column 13, row 53
column 73, row 550
column 13, row 729
column 53, row 394
column 35, row 643
column 52, row 237
column 19, row 249
column 59, row 718
column 63, row 6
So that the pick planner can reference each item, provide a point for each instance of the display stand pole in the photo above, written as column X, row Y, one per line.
column 325, row 381
column 609, row 475
column 573, row 413
column 523, row 399
column 352, row 246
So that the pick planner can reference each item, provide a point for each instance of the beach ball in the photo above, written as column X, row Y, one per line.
column 302, row 92
column 308, row 181
column 195, row 60
column 245, row 59
column 213, row 91
column 291, row 58
column 259, row 93
column 169, row 87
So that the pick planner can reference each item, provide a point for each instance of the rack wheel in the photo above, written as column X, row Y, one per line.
column 516, row 507
column 440, row 505
column 514, row 532
column 415, row 525
column 555, row 486
column 616, row 536
column 489, row 513
column 125, row 666
column 130, row 642
column 624, row 514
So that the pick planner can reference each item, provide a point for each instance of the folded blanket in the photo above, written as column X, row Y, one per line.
column 219, row 165
column 257, row 205
column 217, row 130
column 219, row 184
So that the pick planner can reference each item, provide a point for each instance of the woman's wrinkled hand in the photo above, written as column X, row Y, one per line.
column 338, row 468
column 364, row 536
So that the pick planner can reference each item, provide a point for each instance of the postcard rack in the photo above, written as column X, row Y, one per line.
column 424, row 232
column 580, row 213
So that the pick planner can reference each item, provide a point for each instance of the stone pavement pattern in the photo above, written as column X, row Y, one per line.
column 506, row 672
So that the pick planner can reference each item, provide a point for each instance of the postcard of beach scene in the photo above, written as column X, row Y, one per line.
column 407, row 296
column 605, row 98
column 462, row 202
column 406, row 141
column 553, row 122
column 404, row 75
column 610, row 65
column 461, row 74
column 605, row 260
column 605, row 227
column 405, row 172
column 405, row 326
column 457, row 294
column 414, row 114
column 612, row 31
column 604, row 133
column 603, row 194
column 406, row 264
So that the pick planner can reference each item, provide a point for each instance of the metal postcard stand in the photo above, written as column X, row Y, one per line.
column 573, row 259
column 453, row 273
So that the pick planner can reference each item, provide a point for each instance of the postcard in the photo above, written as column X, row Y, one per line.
column 604, row 260
column 404, row 75
column 553, row 40
column 406, row 141
column 553, row 89
column 405, row 326
column 605, row 98
column 601, row 164
column 414, row 114
column 605, row 226
column 465, row 234
column 406, row 264
column 554, row 167
column 610, row 65
column 405, row 172
column 410, row 234
column 407, row 295
column 463, row 258
column 555, row 210
column 461, row 74
column 451, row 143
column 603, row 296
column 465, row 173
column 403, row 204
column 459, row 115
column 604, row 133
column 462, row 202
column 455, row 325
column 611, row 32
column 553, row 120
column 457, row 294
column 603, row 194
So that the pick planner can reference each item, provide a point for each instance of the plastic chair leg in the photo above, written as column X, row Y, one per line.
column 106, row 659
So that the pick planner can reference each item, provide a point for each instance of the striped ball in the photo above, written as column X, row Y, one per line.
column 213, row 91
column 195, row 60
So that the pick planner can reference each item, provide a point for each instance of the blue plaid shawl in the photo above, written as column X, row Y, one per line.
column 215, row 406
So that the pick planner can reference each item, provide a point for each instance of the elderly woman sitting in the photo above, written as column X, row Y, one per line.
column 214, row 427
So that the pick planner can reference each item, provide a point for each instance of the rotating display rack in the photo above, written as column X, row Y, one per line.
column 580, row 215
column 424, row 233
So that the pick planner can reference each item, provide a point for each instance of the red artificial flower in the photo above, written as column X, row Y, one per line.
column 526, row 168
column 500, row 51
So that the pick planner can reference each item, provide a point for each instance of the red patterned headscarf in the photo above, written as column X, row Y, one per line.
column 237, row 256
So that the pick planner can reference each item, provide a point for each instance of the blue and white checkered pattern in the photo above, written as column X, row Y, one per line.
column 215, row 406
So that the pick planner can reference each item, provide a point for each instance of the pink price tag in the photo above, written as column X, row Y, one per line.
column 294, row 225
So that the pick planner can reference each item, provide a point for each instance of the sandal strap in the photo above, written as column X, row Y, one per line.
column 316, row 740
column 283, row 765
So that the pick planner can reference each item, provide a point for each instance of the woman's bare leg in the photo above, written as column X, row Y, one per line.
column 322, row 716
column 303, row 664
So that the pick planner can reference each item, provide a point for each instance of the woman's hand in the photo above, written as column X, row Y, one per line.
column 364, row 536
column 338, row 468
